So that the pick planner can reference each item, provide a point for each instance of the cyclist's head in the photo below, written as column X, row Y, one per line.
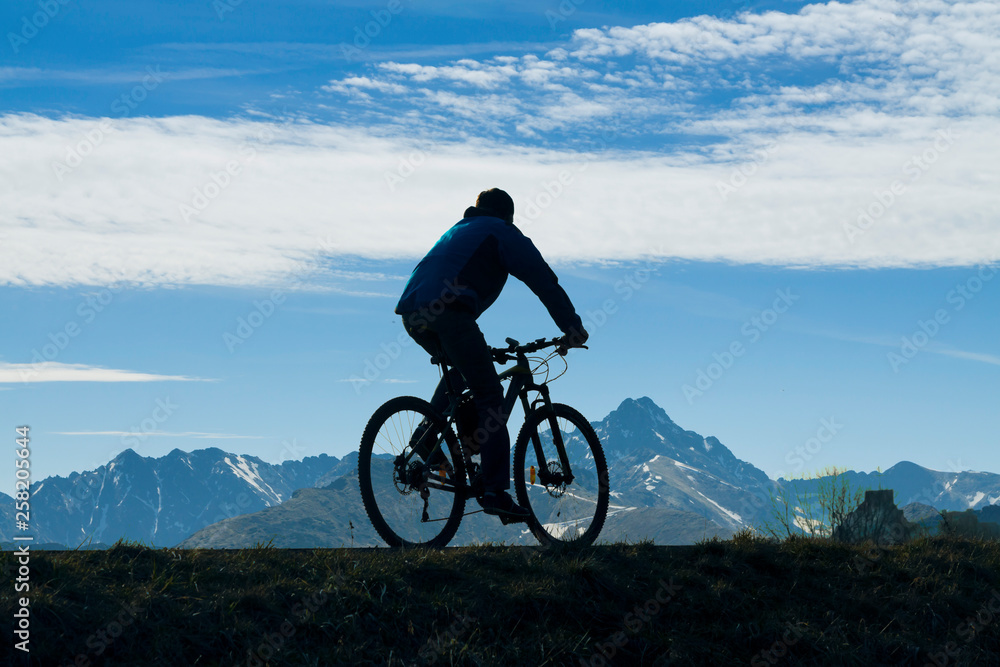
column 496, row 201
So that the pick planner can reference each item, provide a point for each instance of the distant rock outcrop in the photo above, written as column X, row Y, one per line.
column 877, row 519
column 967, row 524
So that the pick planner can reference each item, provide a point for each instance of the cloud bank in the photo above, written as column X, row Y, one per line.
column 847, row 135
column 53, row 371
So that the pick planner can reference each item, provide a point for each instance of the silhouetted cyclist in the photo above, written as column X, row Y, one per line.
column 461, row 277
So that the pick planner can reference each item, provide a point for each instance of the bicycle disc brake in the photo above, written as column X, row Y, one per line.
column 555, row 483
column 407, row 477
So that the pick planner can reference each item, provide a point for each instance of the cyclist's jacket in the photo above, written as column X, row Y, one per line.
column 468, row 267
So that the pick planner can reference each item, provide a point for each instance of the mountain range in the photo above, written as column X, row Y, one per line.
column 162, row 501
column 669, row 485
column 954, row 491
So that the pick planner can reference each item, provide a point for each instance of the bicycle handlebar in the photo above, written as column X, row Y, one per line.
column 504, row 354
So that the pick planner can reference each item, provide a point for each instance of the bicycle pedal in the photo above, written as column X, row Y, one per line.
column 507, row 520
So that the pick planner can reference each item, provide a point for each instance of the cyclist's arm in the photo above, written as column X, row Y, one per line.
column 525, row 263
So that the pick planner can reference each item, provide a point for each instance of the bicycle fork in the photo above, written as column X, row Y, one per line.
column 546, row 476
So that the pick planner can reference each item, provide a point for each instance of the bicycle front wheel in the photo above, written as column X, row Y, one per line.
column 410, row 501
column 567, row 506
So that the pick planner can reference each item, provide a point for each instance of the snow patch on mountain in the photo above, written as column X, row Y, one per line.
column 251, row 477
column 732, row 515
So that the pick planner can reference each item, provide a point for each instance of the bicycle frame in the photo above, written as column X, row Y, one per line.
column 522, row 381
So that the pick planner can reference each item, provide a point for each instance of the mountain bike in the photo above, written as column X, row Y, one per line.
column 560, row 473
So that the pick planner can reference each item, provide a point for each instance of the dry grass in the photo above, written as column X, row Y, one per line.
column 744, row 601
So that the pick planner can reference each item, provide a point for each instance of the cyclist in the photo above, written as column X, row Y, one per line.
column 449, row 289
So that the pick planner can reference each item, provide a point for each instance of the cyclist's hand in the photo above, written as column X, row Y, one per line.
column 576, row 338
column 501, row 357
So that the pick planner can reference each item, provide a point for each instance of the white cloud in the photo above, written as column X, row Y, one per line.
column 464, row 71
column 52, row 371
column 181, row 434
column 301, row 195
column 828, row 60
column 982, row 357
column 32, row 76
column 893, row 341
column 791, row 167
column 479, row 109
column 938, row 57
column 357, row 85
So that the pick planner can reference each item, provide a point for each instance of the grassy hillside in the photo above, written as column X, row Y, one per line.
column 746, row 601
column 335, row 517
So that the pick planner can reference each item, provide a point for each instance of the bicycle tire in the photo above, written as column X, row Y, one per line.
column 573, row 516
column 394, row 507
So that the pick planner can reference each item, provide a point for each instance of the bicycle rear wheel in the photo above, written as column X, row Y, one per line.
column 411, row 502
column 566, row 512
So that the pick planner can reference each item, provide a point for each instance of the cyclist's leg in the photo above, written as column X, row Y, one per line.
column 466, row 348
column 416, row 326
column 439, row 401
column 431, row 342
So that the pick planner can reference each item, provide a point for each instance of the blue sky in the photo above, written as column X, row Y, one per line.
column 811, row 187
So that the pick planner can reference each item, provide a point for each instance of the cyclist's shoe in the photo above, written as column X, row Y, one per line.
column 502, row 505
column 476, row 484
